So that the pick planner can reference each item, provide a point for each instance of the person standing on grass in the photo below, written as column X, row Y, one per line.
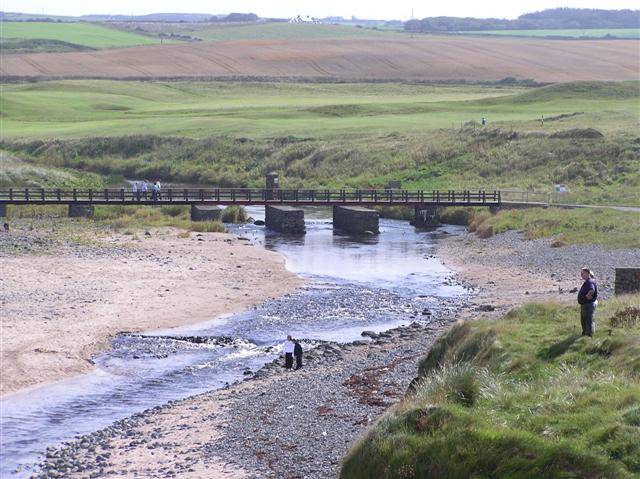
column 297, row 352
column 587, row 299
column 288, row 348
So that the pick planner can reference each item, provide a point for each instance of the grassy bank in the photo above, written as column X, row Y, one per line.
column 129, row 219
column 611, row 228
column 524, row 396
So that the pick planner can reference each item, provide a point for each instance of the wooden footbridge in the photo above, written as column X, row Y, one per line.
column 249, row 196
column 351, row 208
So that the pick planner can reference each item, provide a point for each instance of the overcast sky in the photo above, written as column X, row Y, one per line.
column 367, row 9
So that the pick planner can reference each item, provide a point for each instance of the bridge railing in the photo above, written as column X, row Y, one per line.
column 247, row 196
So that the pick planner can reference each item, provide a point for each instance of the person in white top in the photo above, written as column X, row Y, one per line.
column 287, row 349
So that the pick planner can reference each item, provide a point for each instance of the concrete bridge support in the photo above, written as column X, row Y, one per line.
column 205, row 213
column 627, row 280
column 355, row 219
column 80, row 211
column 426, row 217
column 284, row 219
column 3, row 211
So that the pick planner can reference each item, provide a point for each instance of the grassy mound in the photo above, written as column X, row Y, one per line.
column 524, row 397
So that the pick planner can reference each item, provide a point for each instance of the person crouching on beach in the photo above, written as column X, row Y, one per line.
column 288, row 348
column 297, row 352
column 587, row 299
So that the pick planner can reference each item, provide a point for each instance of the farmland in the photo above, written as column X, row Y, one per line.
column 260, row 31
column 436, row 58
column 564, row 33
column 82, row 34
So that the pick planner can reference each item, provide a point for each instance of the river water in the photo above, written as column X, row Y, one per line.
column 354, row 284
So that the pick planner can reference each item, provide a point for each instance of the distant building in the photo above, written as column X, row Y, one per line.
column 307, row 19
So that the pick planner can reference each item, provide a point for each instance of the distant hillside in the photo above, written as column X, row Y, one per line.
column 555, row 18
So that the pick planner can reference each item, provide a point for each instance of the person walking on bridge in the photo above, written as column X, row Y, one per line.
column 587, row 299
column 134, row 190
column 144, row 187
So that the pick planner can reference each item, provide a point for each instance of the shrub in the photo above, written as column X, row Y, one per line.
column 234, row 214
column 478, row 220
column 629, row 317
column 485, row 231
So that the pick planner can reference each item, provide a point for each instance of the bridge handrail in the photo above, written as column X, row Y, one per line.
column 259, row 195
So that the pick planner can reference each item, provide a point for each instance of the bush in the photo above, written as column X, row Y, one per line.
column 234, row 214
column 478, row 220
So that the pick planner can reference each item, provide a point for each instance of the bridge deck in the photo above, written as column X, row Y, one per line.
column 250, row 196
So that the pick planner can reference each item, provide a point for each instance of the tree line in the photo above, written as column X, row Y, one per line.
column 556, row 18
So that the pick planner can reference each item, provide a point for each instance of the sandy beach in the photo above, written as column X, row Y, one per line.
column 62, row 302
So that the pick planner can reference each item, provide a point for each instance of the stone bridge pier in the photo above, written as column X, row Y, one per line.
column 355, row 219
column 205, row 213
column 426, row 217
column 3, row 211
column 80, row 211
column 284, row 219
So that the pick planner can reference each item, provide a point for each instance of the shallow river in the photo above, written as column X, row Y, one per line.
column 354, row 284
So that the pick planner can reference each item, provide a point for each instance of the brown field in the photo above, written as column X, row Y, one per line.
column 434, row 58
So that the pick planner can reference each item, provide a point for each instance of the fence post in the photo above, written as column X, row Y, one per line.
column 75, row 195
column 26, row 194
column 106, row 194
column 90, row 195
column 170, row 196
column 122, row 194
column 42, row 194
column 201, row 195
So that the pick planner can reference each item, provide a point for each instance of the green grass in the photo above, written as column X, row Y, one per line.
column 288, row 31
column 336, row 135
column 614, row 229
column 15, row 171
column 565, row 33
column 77, row 33
column 521, row 397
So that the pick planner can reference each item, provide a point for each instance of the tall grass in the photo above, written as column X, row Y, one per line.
column 524, row 396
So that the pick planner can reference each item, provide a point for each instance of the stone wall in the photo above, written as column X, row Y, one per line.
column 627, row 280
column 205, row 213
column 355, row 219
column 284, row 219
column 3, row 211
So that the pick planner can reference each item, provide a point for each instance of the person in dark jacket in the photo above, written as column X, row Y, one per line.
column 297, row 352
column 587, row 299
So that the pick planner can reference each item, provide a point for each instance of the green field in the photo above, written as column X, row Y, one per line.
column 521, row 397
column 564, row 33
column 78, row 33
column 336, row 135
column 286, row 31
column 198, row 109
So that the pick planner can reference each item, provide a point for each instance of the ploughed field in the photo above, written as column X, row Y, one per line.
column 426, row 58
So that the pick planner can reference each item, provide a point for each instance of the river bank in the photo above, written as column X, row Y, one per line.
column 67, row 289
column 300, row 424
